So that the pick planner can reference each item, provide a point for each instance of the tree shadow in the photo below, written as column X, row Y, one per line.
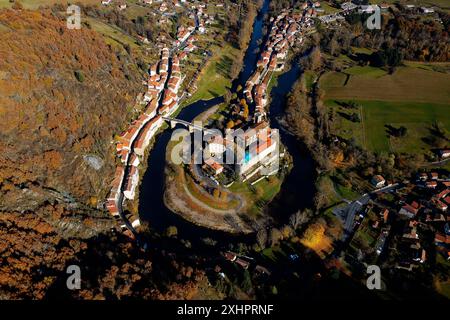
column 223, row 66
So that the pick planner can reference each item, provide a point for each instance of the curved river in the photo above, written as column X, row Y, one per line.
column 297, row 190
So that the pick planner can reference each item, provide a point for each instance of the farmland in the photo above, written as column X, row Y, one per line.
column 408, row 83
column 214, row 78
column 415, row 96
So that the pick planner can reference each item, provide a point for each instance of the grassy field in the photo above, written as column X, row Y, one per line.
column 407, row 84
column 415, row 96
column 372, row 132
column 443, row 287
column 112, row 34
column 258, row 195
column 444, row 4
column 214, row 78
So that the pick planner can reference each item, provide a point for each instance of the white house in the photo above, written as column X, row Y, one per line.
column 427, row 10
column 378, row 181
column 371, row 8
column 214, row 166
column 444, row 153
column 131, row 183
column 216, row 145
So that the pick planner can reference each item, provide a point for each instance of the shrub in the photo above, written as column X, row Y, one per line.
column 79, row 75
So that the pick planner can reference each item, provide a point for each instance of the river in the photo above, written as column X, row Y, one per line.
column 297, row 190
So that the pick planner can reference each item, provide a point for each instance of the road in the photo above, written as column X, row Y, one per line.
column 124, row 219
column 349, row 212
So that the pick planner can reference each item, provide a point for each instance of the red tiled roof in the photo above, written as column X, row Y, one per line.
column 410, row 209
column 213, row 164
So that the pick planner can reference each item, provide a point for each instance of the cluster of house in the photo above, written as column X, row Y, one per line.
column 284, row 31
column 261, row 144
column 349, row 7
column 161, row 99
column 121, row 5
column 378, row 181
column 202, row 17
column 430, row 210
column 243, row 262
column 261, row 149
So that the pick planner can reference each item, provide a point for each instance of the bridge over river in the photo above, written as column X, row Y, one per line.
column 190, row 125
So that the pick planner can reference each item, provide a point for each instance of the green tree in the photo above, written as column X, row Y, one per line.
column 79, row 75
column 171, row 231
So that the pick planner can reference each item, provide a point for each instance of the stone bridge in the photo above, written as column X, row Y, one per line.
column 191, row 126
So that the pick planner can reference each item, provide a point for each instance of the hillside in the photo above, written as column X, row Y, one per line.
column 63, row 95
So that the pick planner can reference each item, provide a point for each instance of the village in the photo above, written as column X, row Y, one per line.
column 261, row 152
column 398, row 225
column 162, row 98
column 416, row 207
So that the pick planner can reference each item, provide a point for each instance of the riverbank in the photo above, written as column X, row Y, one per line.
column 183, row 197
column 235, row 209
column 277, row 200
column 198, row 198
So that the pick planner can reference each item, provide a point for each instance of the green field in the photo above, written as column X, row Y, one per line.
column 415, row 96
column 365, row 71
column 259, row 195
column 328, row 9
column 444, row 4
column 372, row 133
column 214, row 79
column 409, row 83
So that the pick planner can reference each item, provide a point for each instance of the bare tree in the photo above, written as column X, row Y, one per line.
column 299, row 218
